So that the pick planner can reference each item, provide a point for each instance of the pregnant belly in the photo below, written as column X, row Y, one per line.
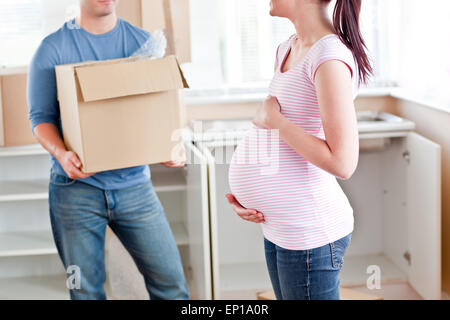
column 267, row 175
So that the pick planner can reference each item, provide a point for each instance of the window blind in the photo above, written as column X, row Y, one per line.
column 20, row 30
column 252, row 37
column 24, row 23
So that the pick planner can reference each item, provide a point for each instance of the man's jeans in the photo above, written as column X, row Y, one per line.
column 306, row 274
column 79, row 214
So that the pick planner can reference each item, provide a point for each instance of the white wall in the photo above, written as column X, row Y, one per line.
column 425, row 48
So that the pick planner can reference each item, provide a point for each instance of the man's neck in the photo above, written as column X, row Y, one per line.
column 97, row 25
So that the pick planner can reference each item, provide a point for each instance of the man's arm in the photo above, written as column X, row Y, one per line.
column 44, row 110
column 49, row 137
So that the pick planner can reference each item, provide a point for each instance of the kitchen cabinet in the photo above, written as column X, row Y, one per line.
column 29, row 265
column 238, row 262
column 396, row 198
column 395, row 193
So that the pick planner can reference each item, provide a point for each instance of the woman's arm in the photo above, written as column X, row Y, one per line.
column 339, row 153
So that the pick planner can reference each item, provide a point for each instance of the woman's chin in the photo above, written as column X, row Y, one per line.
column 274, row 13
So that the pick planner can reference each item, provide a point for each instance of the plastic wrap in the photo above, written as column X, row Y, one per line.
column 155, row 46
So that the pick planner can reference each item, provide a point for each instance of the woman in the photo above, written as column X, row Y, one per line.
column 306, row 218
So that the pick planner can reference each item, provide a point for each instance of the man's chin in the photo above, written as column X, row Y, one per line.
column 104, row 13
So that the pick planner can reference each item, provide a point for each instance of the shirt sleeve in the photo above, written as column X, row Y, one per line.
column 332, row 49
column 41, row 90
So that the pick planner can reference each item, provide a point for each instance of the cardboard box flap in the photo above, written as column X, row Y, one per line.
column 129, row 76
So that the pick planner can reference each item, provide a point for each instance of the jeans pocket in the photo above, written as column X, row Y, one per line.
column 60, row 180
column 338, row 249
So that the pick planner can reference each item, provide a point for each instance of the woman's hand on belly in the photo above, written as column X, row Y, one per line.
column 245, row 214
column 268, row 115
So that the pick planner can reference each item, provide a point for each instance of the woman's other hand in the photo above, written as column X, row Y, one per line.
column 246, row 214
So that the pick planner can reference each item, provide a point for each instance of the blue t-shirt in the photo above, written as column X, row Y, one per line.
column 72, row 44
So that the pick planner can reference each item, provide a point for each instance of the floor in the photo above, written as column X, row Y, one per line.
column 399, row 291
column 395, row 291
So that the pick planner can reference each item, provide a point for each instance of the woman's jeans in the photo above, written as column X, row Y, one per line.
column 79, row 214
column 306, row 274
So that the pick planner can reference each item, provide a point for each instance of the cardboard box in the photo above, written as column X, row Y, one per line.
column 146, row 14
column 15, row 128
column 171, row 15
column 345, row 293
column 121, row 113
column 178, row 28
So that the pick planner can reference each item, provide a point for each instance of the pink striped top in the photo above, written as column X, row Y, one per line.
column 303, row 205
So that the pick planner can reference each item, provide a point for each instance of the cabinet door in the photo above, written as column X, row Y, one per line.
column 424, row 215
column 213, row 217
column 198, row 223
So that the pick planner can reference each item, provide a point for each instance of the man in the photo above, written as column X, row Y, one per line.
column 83, row 204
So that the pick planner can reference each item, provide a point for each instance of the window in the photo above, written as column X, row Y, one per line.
column 234, row 41
column 20, row 30
column 248, row 38
column 379, row 28
column 24, row 23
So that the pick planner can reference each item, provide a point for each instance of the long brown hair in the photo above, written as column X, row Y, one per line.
column 346, row 23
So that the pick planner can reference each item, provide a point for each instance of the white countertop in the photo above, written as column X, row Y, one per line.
column 199, row 97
